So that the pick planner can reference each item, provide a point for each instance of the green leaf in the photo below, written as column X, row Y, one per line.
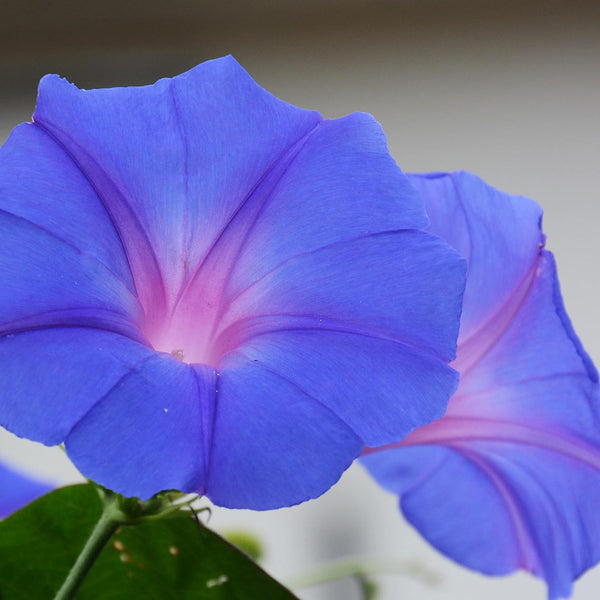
column 173, row 558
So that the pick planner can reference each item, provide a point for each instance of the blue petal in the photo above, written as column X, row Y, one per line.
column 151, row 431
column 452, row 503
column 274, row 445
column 357, row 375
column 510, row 477
column 62, row 262
column 536, row 349
column 17, row 490
column 134, row 420
column 51, row 377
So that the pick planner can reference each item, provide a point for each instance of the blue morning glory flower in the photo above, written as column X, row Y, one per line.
column 509, row 478
column 17, row 490
column 210, row 290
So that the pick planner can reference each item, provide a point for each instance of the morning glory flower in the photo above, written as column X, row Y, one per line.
column 17, row 490
column 509, row 478
column 210, row 290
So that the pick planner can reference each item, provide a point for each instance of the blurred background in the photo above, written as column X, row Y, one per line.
column 508, row 90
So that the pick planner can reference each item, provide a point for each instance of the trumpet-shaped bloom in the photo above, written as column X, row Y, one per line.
column 509, row 478
column 17, row 490
column 205, row 288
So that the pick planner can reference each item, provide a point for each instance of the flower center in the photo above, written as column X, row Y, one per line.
column 189, row 334
column 191, row 326
column 189, row 315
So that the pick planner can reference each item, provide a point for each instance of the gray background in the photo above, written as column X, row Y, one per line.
column 508, row 90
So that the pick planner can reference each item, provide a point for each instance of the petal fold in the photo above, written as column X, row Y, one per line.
column 274, row 444
column 51, row 377
column 150, row 431
column 357, row 375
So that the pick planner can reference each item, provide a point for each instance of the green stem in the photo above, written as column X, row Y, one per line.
column 118, row 511
column 362, row 568
column 107, row 525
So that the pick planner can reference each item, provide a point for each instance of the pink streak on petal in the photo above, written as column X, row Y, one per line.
column 472, row 349
column 528, row 556
column 459, row 431
column 190, row 326
column 144, row 265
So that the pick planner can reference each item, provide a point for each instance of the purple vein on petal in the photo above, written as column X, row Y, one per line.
column 529, row 558
column 142, row 276
column 550, row 504
column 131, row 371
column 73, row 247
column 453, row 431
column 230, row 301
column 204, row 431
column 480, row 342
column 284, row 160
column 211, row 428
column 84, row 320
column 308, row 322
column 299, row 388
column 208, row 411
column 287, row 158
column 458, row 396
column 187, row 217
column 566, row 322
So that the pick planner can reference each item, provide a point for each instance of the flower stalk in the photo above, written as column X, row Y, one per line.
column 110, row 520
column 118, row 511
column 363, row 568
